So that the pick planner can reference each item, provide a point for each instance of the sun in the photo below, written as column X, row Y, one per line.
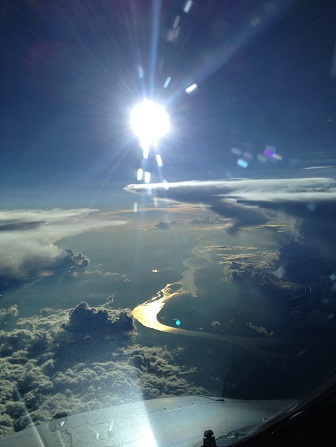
column 150, row 122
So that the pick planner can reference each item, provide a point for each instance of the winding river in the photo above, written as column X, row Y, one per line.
column 147, row 312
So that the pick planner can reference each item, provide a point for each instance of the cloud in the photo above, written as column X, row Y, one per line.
column 8, row 315
column 162, row 226
column 84, row 319
column 302, row 273
column 250, row 202
column 46, row 369
column 16, row 225
column 28, row 240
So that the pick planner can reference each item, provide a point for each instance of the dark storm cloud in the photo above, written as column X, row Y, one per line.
column 28, row 237
column 45, row 369
column 253, row 202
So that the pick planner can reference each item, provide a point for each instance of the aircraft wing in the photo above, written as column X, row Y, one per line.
column 164, row 422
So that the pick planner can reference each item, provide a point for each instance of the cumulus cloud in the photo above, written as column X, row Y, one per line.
column 28, row 241
column 8, row 315
column 250, row 202
column 45, row 368
column 84, row 319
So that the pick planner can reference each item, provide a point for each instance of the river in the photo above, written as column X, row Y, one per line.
column 147, row 312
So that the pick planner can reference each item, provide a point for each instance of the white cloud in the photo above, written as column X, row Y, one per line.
column 28, row 237
column 252, row 202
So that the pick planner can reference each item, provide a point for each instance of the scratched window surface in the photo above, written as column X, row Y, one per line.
column 167, row 203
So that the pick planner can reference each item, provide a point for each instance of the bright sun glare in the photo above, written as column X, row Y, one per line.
column 150, row 122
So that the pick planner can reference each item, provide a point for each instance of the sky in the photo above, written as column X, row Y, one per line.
column 71, row 73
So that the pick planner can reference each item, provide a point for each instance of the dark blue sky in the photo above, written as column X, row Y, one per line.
column 70, row 75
